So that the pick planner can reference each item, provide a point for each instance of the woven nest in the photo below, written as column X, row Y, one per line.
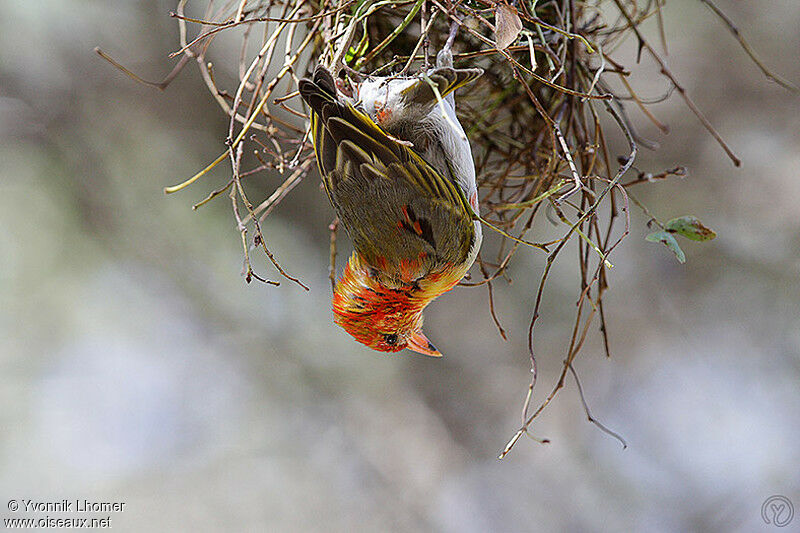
column 537, row 119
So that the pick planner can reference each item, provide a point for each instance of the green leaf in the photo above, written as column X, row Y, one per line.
column 669, row 241
column 358, row 50
column 691, row 228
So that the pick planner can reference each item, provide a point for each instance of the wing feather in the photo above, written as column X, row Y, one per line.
column 373, row 181
column 446, row 80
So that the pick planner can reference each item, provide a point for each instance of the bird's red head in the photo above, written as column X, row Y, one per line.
column 384, row 318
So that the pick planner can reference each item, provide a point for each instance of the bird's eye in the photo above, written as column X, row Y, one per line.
column 390, row 339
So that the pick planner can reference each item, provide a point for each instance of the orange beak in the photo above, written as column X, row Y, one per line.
column 419, row 343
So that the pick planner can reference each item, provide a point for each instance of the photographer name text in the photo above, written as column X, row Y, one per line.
column 79, row 505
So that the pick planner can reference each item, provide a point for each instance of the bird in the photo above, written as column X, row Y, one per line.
column 401, row 179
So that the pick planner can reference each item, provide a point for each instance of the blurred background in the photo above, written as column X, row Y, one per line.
column 136, row 365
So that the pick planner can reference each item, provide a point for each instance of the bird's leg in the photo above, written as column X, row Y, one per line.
column 445, row 57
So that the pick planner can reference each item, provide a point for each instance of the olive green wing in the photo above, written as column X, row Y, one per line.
column 445, row 79
column 396, row 207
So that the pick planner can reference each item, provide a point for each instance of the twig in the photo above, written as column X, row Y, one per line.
column 783, row 82
column 333, row 228
column 666, row 72
column 160, row 85
column 589, row 416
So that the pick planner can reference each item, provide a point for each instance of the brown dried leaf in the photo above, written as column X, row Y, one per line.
column 507, row 25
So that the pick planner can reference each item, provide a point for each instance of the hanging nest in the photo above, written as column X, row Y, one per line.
column 538, row 119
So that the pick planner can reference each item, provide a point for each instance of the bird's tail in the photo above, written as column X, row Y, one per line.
column 319, row 91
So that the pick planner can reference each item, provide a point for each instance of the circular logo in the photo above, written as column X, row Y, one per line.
column 777, row 510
